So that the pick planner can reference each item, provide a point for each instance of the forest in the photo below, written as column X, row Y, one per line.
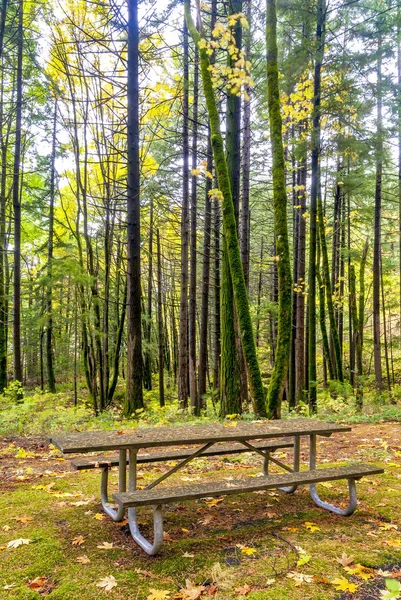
column 201, row 206
column 200, row 279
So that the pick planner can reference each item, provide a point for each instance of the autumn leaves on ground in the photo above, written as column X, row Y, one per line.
column 55, row 541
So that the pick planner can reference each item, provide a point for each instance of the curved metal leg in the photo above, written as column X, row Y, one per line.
column 297, row 453
column 345, row 512
column 148, row 547
column 116, row 515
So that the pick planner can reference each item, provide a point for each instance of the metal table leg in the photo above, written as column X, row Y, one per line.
column 157, row 514
column 297, row 457
column 345, row 512
column 116, row 515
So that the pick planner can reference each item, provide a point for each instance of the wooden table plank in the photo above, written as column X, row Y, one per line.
column 152, row 437
column 161, row 495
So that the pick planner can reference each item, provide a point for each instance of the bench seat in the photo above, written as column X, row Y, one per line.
column 160, row 495
column 94, row 462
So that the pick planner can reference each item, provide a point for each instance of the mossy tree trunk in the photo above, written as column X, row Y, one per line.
column 229, row 225
column 283, row 346
column 230, row 381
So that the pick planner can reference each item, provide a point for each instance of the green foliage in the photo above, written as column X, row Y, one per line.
column 393, row 589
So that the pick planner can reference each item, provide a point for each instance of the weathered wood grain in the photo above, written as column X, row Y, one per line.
column 94, row 462
column 93, row 441
column 239, row 486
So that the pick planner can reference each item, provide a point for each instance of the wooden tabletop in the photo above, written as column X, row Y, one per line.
column 152, row 437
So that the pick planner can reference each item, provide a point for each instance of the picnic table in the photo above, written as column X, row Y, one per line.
column 261, row 437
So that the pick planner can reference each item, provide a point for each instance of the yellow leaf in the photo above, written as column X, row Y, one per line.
column 98, row 517
column 342, row 584
column 360, row 571
column 387, row 526
column 311, row 526
column 158, row 594
column 21, row 453
column 83, row 560
column 248, row 551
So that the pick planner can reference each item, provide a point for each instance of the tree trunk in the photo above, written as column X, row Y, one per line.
column 3, row 200
column 134, row 397
column 217, row 304
column 377, row 224
column 192, row 281
column 338, row 370
column 160, row 321
column 300, row 298
column 183, row 390
column 315, row 193
column 205, row 283
column 230, row 385
column 17, row 204
column 229, row 226
column 283, row 346
column 147, row 368
column 49, row 295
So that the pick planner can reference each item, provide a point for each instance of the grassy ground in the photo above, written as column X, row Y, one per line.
column 259, row 546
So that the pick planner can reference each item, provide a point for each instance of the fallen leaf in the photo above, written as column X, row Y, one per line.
column 360, row 571
column 18, row 542
column 345, row 560
column 123, row 523
column 248, row 551
column 188, row 555
column 213, row 501
column 98, row 517
column 106, row 546
column 320, row 579
column 243, row 590
column 42, row 585
column 84, row 560
column 107, row 583
column 303, row 560
column 387, row 526
column 23, row 520
column 6, row 528
column 343, row 585
column 311, row 526
column 299, row 578
column 146, row 573
column 394, row 543
column 191, row 591
column 158, row 594
column 21, row 453
column 9, row 587
column 78, row 541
